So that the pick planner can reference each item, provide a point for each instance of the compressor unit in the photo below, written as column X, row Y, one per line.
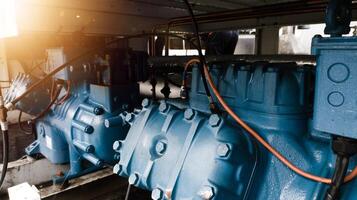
column 242, row 129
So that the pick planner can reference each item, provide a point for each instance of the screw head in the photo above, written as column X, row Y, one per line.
column 214, row 120
column 117, row 169
column 161, row 147
column 133, row 179
column 129, row 117
column 90, row 149
column 145, row 103
column 157, row 194
column 117, row 145
column 189, row 114
column 206, row 192
column 89, row 129
column 223, row 150
column 163, row 107
column 98, row 110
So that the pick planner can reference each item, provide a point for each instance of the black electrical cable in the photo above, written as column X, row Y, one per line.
column 52, row 102
column 341, row 167
column 202, row 58
column 58, row 69
column 5, row 139
column 22, row 128
column 5, row 154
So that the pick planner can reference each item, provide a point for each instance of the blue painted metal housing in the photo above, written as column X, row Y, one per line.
column 194, row 155
column 335, row 109
column 82, row 129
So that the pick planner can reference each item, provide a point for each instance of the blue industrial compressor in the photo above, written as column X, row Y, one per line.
column 186, row 152
column 82, row 120
column 262, row 130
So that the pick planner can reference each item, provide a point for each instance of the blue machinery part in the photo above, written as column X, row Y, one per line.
column 191, row 154
column 81, row 129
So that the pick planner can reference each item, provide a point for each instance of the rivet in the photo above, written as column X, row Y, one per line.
column 145, row 103
column 133, row 179
column 157, row 194
column 223, row 150
column 189, row 114
column 206, row 192
column 214, row 120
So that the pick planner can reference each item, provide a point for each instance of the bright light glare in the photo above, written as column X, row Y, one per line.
column 8, row 25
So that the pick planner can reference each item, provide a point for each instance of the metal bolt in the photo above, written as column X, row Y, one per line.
column 89, row 129
column 90, row 149
column 98, row 110
column 206, row 192
column 163, row 107
column 129, row 117
column 117, row 145
column 189, row 114
column 214, row 120
column 157, row 194
column 160, row 147
column 117, row 169
column 223, row 150
column 145, row 103
column 133, row 179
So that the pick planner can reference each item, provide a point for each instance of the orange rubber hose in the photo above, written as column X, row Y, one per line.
column 261, row 140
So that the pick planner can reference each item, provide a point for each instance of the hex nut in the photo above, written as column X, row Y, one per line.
column 133, row 179
column 117, row 145
column 206, row 192
column 160, row 147
column 223, row 150
column 189, row 114
column 129, row 117
column 145, row 103
column 157, row 194
column 214, row 120
column 163, row 107
column 117, row 169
